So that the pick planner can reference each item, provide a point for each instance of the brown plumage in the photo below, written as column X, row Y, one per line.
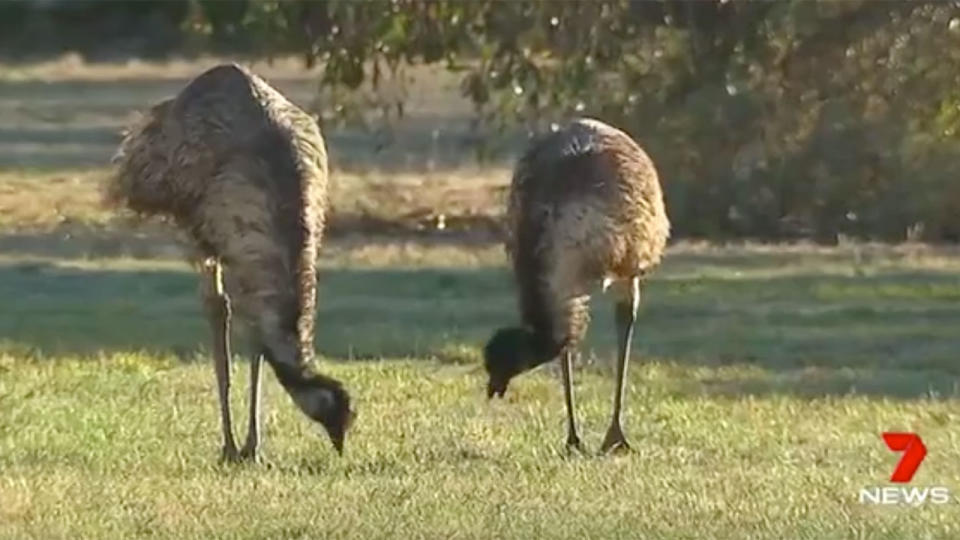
column 585, row 208
column 244, row 173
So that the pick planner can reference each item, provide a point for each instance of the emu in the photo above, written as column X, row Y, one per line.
column 585, row 207
column 243, row 172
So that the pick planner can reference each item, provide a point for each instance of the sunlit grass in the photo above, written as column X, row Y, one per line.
column 127, row 446
column 70, row 200
column 761, row 381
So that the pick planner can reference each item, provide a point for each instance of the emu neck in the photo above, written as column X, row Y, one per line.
column 545, row 349
column 536, row 308
column 556, row 317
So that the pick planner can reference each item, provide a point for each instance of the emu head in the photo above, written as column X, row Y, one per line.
column 321, row 398
column 509, row 352
column 338, row 418
column 326, row 402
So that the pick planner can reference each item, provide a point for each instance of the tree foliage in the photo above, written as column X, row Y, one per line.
column 772, row 119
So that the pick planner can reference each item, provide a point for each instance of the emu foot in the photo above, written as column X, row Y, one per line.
column 614, row 442
column 251, row 454
column 229, row 454
column 574, row 446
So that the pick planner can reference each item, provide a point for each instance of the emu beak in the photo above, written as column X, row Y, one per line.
column 494, row 391
column 339, row 433
column 337, row 440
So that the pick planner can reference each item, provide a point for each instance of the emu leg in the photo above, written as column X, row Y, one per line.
column 251, row 448
column 626, row 313
column 218, row 314
column 573, row 440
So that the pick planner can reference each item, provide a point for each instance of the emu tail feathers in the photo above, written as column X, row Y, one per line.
column 142, row 163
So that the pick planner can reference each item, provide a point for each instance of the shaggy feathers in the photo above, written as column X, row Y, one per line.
column 244, row 172
column 585, row 205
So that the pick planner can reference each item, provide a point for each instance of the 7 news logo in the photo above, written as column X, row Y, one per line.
column 913, row 453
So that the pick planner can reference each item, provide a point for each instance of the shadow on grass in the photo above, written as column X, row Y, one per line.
column 78, row 123
column 891, row 334
column 820, row 382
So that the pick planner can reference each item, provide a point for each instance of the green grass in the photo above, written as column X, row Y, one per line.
column 762, row 379
column 68, row 114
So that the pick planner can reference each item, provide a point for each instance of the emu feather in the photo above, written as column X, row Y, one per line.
column 243, row 172
column 585, row 208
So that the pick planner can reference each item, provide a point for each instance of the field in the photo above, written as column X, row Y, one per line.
column 762, row 376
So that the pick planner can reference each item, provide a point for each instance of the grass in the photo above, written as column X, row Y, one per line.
column 70, row 202
column 762, row 380
column 67, row 113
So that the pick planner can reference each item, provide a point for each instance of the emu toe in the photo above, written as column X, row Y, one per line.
column 574, row 446
column 250, row 454
column 229, row 454
column 615, row 442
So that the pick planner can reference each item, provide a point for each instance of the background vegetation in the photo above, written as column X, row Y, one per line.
column 767, row 119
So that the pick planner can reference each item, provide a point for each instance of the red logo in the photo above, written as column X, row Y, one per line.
column 913, row 453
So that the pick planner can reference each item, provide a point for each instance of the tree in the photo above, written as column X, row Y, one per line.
column 769, row 119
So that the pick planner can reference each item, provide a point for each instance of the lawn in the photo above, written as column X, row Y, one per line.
column 762, row 379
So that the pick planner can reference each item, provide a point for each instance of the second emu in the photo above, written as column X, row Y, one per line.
column 585, row 208
column 243, row 172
